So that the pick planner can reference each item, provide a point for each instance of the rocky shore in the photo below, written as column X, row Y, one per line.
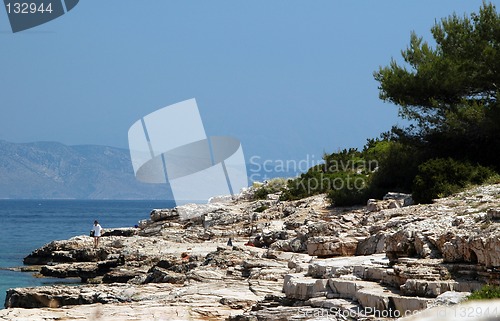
column 293, row 260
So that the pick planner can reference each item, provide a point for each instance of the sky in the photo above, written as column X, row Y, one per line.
column 290, row 79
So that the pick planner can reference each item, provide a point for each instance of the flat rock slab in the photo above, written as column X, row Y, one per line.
column 378, row 300
column 144, row 311
column 326, row 268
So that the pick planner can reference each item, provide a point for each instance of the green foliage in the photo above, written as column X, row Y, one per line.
column 275, row 185
column 348, row 196
column 398, row 166
column 450, row 94
column 261, row 193
column 451, row 91
column 347, row 160
column 344, row 176
column 261, row 209
column 312, row 182
column 443, row 177
column 462, row 68
column 487, row 292
column 492, row 180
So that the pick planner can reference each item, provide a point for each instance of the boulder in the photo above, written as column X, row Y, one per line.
column 62, row 249
column 451, row 298
column 121, row 276
column 296, row 286
column 125, row 231
column 347, row 289
column 493, row 214
column 191, row 211
column 425, row 288
column 77, row 249
column 400, row 244
column 296, row 245
column 52, row 297
column 160, row 275
column 375, row 205
column 221, row 199
column 83, row 270
column 403, row 199
column 266, row 239
column 163, row 214
column 374, row 244
column 332, row 246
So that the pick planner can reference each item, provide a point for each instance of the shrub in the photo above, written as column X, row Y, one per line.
column 311, row 183
column 442, row 177
column 272, row 186
column 485, row 293
column 398, row 164
column 261, row 208
column 348, row 197
column 261, row 193
column 344, row 176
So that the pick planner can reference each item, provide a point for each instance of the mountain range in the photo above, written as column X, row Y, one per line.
column 50, row 170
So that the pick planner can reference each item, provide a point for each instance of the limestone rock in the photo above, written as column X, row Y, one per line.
column 403, row 199
column 450, row 298
column 296, row 245
column 190, row 211
column 493, row 214
column 314, row 258
column 374, row 244
column 121, row 275
column 400, row 244
column 376, row 206
column 125, row 231
column 332, row 246
column 163, row 214
column 84, row 270
column 160, row 275
column 297, row 287
column 221, row 199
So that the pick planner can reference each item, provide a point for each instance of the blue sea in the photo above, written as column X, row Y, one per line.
column 28, row 224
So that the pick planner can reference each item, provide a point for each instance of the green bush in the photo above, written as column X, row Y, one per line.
column 311, row 183
column 344, row 176
column 261, row 193
column 348, row 197
column 398, row 164
column 261, row 209
column 341, row 170
column 272, row 186
column 485, row 293
column 442, row 177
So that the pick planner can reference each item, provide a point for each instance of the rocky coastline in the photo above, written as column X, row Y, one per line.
column 288, row 260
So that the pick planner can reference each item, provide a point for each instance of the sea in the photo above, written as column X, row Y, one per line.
column 26, row 225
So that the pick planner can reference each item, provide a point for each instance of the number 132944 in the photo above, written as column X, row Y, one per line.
column 28, row 8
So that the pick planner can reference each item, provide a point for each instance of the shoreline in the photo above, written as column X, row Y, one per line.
column 29, row 226
column 307, row 258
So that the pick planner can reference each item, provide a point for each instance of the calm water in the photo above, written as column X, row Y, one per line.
column 29, row 224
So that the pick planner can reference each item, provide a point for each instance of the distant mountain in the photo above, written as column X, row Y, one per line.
column 47, row 170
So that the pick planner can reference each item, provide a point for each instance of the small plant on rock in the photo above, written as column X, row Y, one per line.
column 485, row 293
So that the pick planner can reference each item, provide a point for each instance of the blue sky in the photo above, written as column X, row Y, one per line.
column 288, row 78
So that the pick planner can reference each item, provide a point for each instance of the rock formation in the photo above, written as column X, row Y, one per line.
column 293, row 260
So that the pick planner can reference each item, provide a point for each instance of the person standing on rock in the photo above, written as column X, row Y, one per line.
column 97, row 229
